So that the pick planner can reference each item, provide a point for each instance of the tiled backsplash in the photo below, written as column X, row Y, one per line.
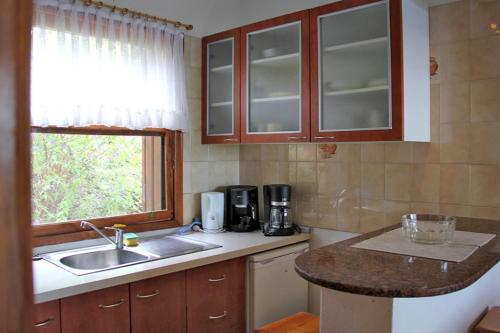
column 367, row 186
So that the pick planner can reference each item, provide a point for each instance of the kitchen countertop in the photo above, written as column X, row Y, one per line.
column 52, row 282
column 358, row 271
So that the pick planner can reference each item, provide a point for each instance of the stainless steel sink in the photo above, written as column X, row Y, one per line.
column 99, row 258
column 102, row 259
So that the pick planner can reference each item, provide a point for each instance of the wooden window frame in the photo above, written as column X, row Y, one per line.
column 171, row 217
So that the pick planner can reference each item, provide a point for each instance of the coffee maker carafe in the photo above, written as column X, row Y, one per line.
column 278, row 219
column 242, row 208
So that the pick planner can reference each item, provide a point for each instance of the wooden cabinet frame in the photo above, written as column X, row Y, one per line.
column 304, row 135
column 396, row 63
column 235, row 137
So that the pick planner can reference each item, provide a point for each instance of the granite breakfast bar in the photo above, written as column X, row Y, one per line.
column 384, row 287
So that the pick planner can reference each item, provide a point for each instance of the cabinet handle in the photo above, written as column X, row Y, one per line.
column 44, row 323
column 324, row 137
column 228, row 139
column 218, row 317
column 223, row 277
column 106, row 306
column 297, row 137
column 155, row 293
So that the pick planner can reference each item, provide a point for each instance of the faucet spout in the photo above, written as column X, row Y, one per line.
column 118, row 242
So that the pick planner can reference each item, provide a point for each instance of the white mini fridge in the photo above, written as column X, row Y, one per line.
column 274, row 289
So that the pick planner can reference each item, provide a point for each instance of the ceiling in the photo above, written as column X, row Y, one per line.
column 211, row 16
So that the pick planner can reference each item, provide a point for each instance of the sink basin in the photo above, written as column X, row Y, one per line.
column 99, row 258
column 102, row 259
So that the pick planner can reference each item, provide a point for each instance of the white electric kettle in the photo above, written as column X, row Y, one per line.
column 212, row 211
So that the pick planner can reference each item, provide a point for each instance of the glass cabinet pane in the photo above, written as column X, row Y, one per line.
column 274, row 57
column 220, row 87
column 354, row 69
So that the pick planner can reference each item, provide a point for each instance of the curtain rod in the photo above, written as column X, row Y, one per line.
column 126, row 11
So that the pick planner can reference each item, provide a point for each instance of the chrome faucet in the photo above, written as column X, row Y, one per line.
column 118, row 242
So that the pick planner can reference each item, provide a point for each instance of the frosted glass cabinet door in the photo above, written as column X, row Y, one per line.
column 220, row 88
column 353, row 65
column 274, row 80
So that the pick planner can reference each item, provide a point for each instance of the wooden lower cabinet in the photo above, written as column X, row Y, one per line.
column 104, row 310
column 216, row 297
column 158, row 305
column 47, row 318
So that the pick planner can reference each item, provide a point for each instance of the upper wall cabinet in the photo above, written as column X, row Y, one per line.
column 275, row 80
column 353, row 70
column 358, row 75
column 221, row 88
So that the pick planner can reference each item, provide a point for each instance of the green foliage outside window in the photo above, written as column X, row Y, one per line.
column 85, row 176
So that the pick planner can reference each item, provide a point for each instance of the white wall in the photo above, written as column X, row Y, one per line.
column 211, row 16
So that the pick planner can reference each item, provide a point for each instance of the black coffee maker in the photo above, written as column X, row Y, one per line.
column 242, row 208
column 278, row 219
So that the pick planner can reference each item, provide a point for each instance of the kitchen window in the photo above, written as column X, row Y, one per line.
column 108, row 107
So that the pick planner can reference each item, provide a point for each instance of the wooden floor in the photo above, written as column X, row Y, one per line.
column 301, row 322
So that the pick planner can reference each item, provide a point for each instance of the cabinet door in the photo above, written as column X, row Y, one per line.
column 356, row 68
column 47, row 318
column 216, row 298
column 275, row 80
column 104, row 310
column 158, row 305
column 221, row 87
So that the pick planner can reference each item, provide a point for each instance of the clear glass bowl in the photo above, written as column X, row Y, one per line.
column 428, row 229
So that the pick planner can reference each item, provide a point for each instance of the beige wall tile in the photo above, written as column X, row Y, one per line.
column 232, row 176
column 485, row 100
column 426, row 183
column 454, row 210
column 186, row 177
column 292, row 173
column 292, row 152
column 449, row 22
column 327, row 211
column 189, row 208
column 194, row 105
column 250, row 152
column 425, row 152
column 453, row 62
column 195, row 52
column 485, row 58
column 186, row 147
column 217, row 175
column 485, row 143
column 348, row 214
column 397, row 182
column 454, row 146
column 307, row 212
column 398, row 152
column 348, row 152
column 270, row 174
column 194, row 90
column 394, row 210
column 481, row 14
column 283, row 173
column 485, row 185
column 454, row 102
column 199, row 177
column 322, row 176
column 216, row 152
column 485, row 212
column 306, row 177
column 424, row 208
column 372, row 215
column 250, row 173
column 198, row 152
column 435, row 112
column 372, row 152
column 347, row 180
column 306, row 152
column 232, row 152
column 372, row 180
column 454, row 182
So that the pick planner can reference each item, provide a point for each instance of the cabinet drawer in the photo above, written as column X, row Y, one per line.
column 47, row 318
column 158, row 305
column 104, row 310
column 216, row 297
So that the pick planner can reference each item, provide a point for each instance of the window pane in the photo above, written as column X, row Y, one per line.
column 87, row 176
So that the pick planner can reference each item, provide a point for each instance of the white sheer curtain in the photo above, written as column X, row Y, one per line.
column 94, row 67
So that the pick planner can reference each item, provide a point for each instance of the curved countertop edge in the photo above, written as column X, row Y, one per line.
column 347, row 285
column 52, row 282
